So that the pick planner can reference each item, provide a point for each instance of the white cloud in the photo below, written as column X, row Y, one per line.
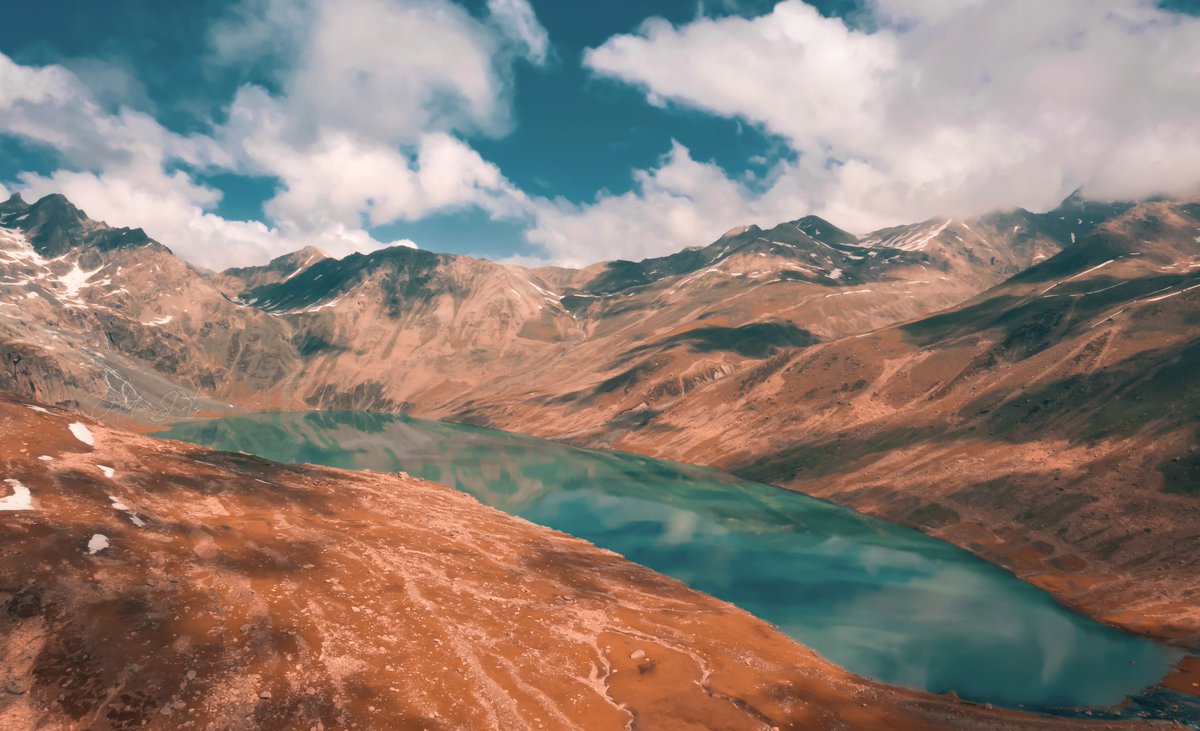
column 943, row 108
column 680, row 203
column 175, row 211
column 362, row 130
column 255, row 31
column 516, row 18
column 51, row 106
column 802, row 75
column 364, row 125
column 394, row 70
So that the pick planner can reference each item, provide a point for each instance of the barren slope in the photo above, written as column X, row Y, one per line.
column 150, row 584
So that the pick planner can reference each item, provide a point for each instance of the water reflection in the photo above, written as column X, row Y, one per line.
column 880, row 600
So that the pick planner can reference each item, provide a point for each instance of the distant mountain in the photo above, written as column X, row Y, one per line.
column 106, row 319
column 416, row 331
column 53, row 227
column 279, row 269
column 429, row 333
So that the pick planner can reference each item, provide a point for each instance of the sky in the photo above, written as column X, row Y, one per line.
column 548, row 131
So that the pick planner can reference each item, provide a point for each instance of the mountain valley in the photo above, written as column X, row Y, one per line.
column 1021, row 385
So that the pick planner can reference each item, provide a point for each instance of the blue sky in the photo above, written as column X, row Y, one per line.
column 542, row 130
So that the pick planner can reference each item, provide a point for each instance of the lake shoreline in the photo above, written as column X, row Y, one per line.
column 613, row 453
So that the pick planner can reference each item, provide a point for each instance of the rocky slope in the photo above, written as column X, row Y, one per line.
column 146, row 584
column 110, row 321
column 407, row 330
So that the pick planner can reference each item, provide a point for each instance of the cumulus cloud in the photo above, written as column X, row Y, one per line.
column 339, row 176
column 393, row 70
column 681, row 202
column 50, row 105
column 362, row 128
column 940, row 108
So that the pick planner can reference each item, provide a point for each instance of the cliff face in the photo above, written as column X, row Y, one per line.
column 147, row 584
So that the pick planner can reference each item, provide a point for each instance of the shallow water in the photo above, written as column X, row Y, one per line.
column 883, row 601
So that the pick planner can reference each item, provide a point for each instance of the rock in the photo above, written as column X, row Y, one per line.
column 15, row 687
column 637, row 655
column 25, row 605
column 191, row 675
column 265, row 695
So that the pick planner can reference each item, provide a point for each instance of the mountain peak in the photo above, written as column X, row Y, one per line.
column 819, row 229
column 14, row 204
column 54, row 226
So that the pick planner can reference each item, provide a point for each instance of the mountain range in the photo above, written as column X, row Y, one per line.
column 1020, row 384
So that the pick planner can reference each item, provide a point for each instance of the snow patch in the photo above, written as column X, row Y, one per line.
column 912, row 238
column 75, row 280
column 46, row 458
column 21, row 499
column 118, row 505
column 108, row 471
column 1089, row 271
column 82, row 433
column 97, row 543
column 318, row 308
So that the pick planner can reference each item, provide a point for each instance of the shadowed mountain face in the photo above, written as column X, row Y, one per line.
column 53, row 227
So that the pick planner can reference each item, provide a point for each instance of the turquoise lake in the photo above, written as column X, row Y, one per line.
column 883, row 601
